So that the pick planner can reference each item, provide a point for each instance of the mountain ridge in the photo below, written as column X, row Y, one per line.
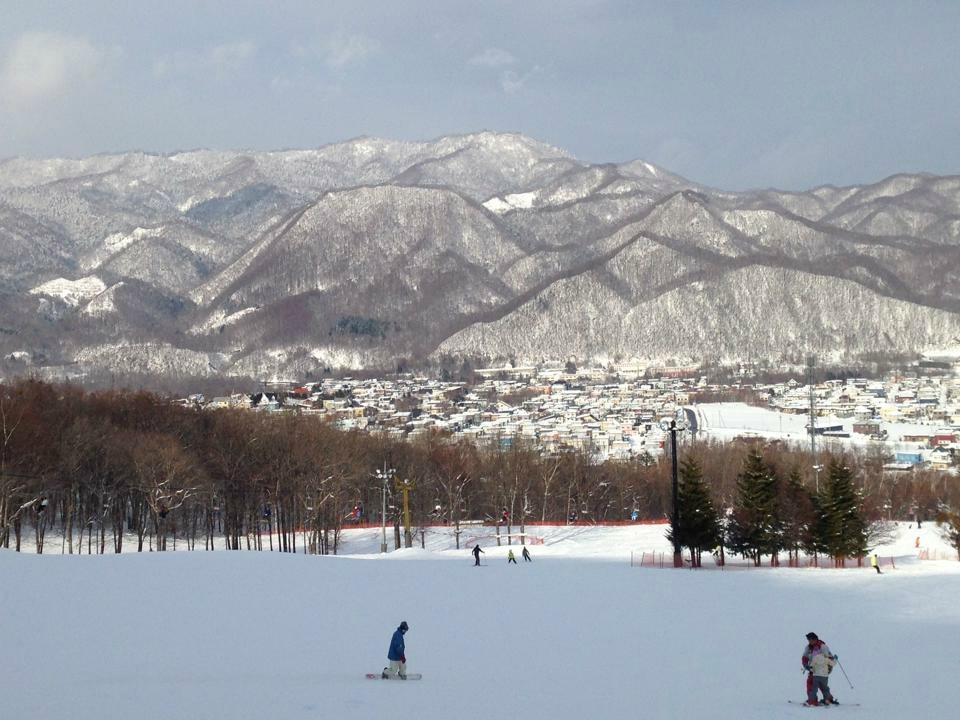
column 373, row 253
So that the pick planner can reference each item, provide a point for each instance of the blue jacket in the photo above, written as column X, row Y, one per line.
column 396, row 646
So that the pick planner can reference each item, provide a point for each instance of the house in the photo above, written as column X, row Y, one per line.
column 942, row 439
column 264, row 401
column 908, row 458
column 941, row 458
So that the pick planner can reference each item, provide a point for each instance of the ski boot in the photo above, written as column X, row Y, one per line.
column 384, row 675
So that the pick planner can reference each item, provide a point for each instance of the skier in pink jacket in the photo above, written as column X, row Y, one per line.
column 818, row 661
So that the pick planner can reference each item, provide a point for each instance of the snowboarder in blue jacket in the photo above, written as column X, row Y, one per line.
column 397, row 653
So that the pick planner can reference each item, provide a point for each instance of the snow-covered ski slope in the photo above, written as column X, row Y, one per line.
column 575, row 634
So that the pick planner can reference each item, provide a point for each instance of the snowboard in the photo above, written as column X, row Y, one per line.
column 379, row 676
column 804, row 704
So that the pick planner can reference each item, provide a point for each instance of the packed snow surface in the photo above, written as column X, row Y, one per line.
column 577, row 633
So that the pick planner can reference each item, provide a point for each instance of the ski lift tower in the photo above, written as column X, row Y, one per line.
column 811, row 369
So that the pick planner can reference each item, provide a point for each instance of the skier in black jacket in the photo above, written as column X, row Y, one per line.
column 476, row 554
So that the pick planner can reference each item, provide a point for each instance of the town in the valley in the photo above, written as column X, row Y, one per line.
column 615, row 412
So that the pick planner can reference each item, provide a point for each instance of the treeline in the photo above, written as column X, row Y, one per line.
column 97, row 468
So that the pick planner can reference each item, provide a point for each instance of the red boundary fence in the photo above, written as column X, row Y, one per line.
column 936, row 554
column 663, row 559
column 347, row 524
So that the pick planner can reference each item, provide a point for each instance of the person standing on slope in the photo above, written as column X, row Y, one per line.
column 476, row 554
column 397, row 653
column 511, row 558
column 818, row 661
column 875, row 563
column 526, row 554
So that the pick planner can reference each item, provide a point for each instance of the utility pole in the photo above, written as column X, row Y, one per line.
column 677, row 556
column 672, row 425
column 405, row 486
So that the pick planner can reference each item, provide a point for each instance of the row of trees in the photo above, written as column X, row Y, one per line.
column 101, row 468
column 773, row 513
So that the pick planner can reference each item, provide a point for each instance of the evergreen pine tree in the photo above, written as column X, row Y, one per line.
column 797, row 516
column 844, row 531
column 698, row 528
column 754, row 528
column 818, row 538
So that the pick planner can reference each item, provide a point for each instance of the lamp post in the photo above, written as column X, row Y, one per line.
column 672, row 425
column 384, row 476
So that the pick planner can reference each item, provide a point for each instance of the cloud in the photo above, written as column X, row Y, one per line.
column 337, row 51
column 492, row 57
column 342, row 50
column 220, row 59
column 41, row 65
column 513, row 82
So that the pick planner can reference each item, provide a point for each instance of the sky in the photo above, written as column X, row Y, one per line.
column 735, row 95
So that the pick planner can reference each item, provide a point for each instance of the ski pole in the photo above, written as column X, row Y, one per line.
column 844, row 674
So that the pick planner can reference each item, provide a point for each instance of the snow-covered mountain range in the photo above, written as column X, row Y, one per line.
column 372, row 252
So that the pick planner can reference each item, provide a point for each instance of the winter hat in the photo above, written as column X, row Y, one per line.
column 812, row 636
column 404, row 626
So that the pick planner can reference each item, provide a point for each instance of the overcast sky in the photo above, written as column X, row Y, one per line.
column 732, row 94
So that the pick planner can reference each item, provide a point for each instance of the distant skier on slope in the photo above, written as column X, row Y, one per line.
column 511, row 558
column 526, row 554
column 818, row 661
column 397, row 653
column 875, row 563
column 476, row 554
